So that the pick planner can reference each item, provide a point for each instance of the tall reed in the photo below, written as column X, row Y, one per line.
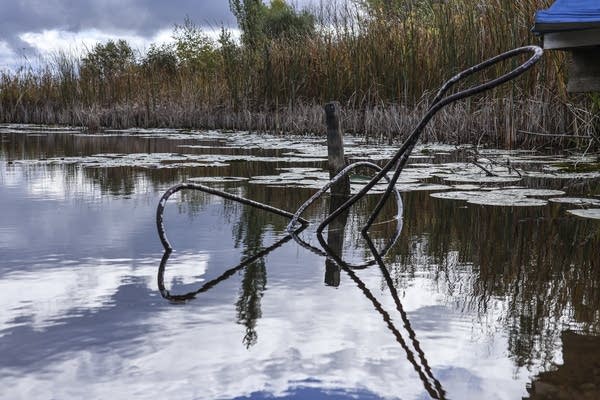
column 383, row 71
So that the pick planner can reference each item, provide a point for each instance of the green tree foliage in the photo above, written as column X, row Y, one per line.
column 258, row 21
column 161, row 58
column 249, row 15
column 108, row 60
column 390, row 9
column 193, row 48
column 282, row 21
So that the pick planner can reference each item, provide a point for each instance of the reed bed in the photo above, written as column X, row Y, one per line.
column 383, row 71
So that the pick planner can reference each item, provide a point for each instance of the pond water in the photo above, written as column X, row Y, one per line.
column 492, row 290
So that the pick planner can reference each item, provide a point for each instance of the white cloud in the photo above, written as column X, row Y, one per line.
column 310, row 332
column 53, row 293
column 8, row 58
column 52, row 41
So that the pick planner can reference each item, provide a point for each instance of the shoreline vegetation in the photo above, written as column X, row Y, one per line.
column 381, row 59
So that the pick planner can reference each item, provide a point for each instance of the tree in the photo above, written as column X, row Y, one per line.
column 193, row 48
column 282, row 21
column 249, row 15
column 389, row 9
column 109, row 59
column 161, row 58
column 258, row 21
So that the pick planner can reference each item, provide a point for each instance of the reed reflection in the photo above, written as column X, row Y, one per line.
column 410, row 346
column 579, row 375
column 543, row 264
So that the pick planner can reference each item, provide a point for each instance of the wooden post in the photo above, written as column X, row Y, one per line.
column 335, row 148
column 335, row 240
column 339, row 191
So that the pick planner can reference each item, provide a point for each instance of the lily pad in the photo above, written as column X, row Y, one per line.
column 217, row 179
column 458, row 195
column 565, row 175
column 377, row 189
column 300, row 169
column 593, row 213
column 528, row 192
column 507, row 201
column 578, row 201
column 423, row 187
column 481, row 178
column 491, row 198
column 467, row 187
column 439, row 147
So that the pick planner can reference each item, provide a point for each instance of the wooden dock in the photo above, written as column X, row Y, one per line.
column 574, row 26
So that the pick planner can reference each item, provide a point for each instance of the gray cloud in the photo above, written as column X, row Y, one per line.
column 141, row 17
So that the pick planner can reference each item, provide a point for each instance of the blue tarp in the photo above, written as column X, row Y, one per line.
column 566, row 15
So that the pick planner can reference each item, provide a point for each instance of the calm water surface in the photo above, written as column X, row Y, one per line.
column 483, row 301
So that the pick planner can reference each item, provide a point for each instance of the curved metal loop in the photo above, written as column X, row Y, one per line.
column 320, row 192
column 398, row 161
column 194, row 186
column 536, row 51
column 334, row 180
column 165, row 293
column 400, row 158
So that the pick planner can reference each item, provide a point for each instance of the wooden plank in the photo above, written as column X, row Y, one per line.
column 571, row 39
column 584, row 70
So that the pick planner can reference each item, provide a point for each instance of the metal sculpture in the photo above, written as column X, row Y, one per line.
column 396, row 163
column 415, row 356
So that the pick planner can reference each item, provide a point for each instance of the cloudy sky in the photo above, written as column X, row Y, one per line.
column 30, row 28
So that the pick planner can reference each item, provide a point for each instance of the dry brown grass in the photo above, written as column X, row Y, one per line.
column 382, row 71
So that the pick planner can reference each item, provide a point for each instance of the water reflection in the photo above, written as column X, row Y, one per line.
column 420, row 363
column 253, row 285
column 478, row 300
column 541, row 262
column 254, row 279
column 579, row 375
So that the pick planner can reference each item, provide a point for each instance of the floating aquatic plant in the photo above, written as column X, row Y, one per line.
column 493, row 198
column 521, row 192
column 217, row 179
column 578, row 201
column 592, row 213
column 480, row 178
column 466, row 187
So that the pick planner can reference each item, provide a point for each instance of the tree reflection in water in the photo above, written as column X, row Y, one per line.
column 542, row 264
column 578, row 377
column 248, row 233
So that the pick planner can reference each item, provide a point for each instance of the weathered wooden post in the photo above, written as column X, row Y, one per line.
column 335, row 240
column 339, row 191
column 335, row 148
